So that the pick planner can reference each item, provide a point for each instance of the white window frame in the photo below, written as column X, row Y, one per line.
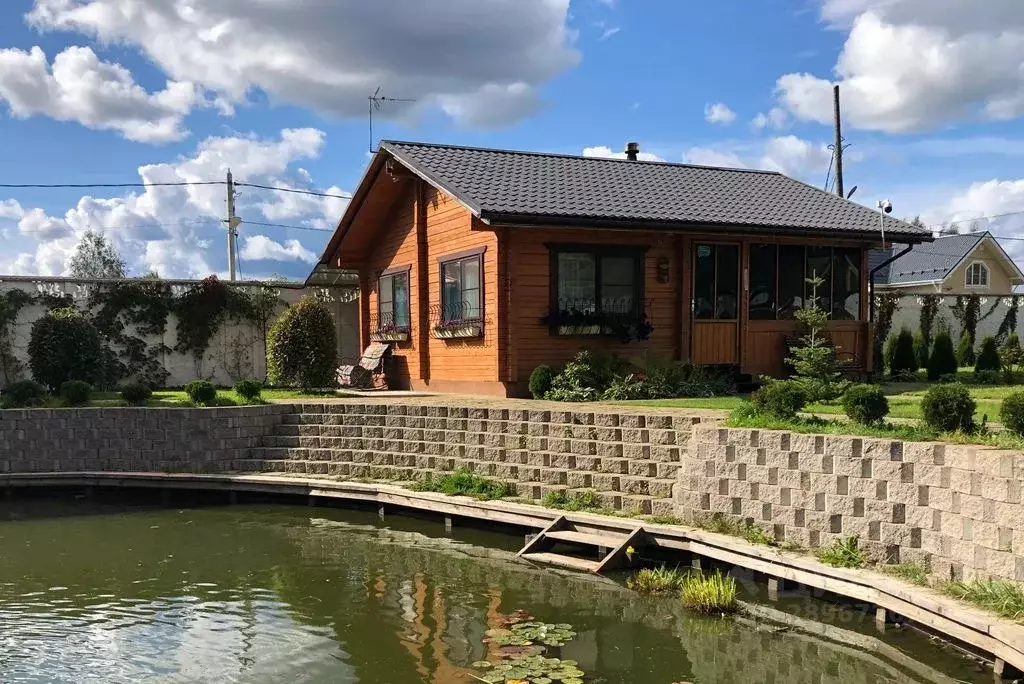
column 982, row 269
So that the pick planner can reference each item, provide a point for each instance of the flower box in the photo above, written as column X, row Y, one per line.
column 390, row 336
column 458, row 331
column 579, row 330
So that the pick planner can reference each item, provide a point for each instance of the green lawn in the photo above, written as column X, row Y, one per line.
column 904, row 401
column 178, row 398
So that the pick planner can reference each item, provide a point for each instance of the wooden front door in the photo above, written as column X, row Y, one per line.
column 715, row 305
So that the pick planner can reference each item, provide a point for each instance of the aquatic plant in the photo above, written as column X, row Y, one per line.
column 521, row 641
column 660, row 580
column 843, row 553
column 531, row 633
column 530, row 669
column 714, row 593
column 463, row 482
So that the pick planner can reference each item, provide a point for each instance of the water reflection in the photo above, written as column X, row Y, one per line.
column 272, row 594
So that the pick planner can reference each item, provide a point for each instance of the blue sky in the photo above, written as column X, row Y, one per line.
column 120, row 91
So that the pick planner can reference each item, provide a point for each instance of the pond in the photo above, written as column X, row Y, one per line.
column 273, row 593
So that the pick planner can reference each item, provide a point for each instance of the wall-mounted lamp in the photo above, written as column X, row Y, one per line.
column 663, row 270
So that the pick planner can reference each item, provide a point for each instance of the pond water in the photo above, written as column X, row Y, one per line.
column 271, row 593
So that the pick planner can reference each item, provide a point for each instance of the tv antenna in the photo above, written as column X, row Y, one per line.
column 374, row 102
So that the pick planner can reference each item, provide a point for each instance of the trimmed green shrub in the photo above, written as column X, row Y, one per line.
column 249, row 389
column 921, row 350
column 943, row 359
column 628, row 388
column 136, row 393
column 201, row 392
column 901, row 357
column 24, row 394
column 583, row 379
column 65, row 345
column 866, row 404
column 949, row 408
column 781, row 399
column 965, row 352
column 540, row 380
column 986, row 377
column 1011, row 413
column 988, row 356
column 302, row 346
column 75, row 392
column 1012, row 356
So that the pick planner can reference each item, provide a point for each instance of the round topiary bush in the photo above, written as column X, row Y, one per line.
column 65, row 345
column 866, row 404
column 136, row 393
column 23, row 393
column 943, row 359
column 988, row 356
column 781, row 399
column 540, row 380
column 201, row 392
column 75, row 392
column 1011, row 413
column 949, row 408
column 249, row 389
column 302, row 347
column 900, row 356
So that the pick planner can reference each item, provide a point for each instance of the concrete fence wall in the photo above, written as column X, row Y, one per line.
column 131, row 439
column 236, row 350
column 991, row 314
column 957, row 508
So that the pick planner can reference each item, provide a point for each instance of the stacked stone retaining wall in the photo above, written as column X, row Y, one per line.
column 956, row 508
column 131, row 439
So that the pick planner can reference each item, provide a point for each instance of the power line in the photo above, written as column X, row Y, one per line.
column 282, row 225
column 296, row 191
column 51, row 186
column 976, row 218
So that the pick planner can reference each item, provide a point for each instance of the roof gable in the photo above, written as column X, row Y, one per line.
column 510, row 186
column 935, row 261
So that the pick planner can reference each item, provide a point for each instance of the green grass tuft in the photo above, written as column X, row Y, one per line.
column 737, row 528
column 464, row 483
column 663, row 519
column 843, row 553
column 576, row 501
column 915, row 573
column 714, row 593
column 1000, row 596
column 660, row 580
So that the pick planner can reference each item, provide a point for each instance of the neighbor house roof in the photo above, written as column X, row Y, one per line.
column 504, row 185
column 928, row 263
column 511, row 187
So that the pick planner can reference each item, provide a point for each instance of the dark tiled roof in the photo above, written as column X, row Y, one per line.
column 507, row 185
column 927, row 262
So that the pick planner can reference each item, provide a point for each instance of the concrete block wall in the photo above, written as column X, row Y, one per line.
column 957, row 508
column 131, row 439
column 630, row 460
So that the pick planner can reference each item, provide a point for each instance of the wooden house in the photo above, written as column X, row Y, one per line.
column 477, row 265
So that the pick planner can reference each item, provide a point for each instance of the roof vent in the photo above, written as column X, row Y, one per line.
column 632, row 150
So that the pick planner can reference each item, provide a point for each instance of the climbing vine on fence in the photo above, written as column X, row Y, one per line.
column 966, row 310
column 886, row 306
column 142, row 306
column 201, row 310
column 1009, row 323
column 929, row 308
column 11, row 304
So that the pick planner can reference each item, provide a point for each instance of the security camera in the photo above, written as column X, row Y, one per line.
column 885, row 205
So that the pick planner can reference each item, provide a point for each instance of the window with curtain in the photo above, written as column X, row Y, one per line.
column 393, row 301
column 597, row 279
column 461, row 289
column 716, row 282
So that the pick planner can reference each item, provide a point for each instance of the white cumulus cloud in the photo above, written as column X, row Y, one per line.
column 910, row 65
column 481, row 61
column 719, row 113
column 80, row 87
column 262, row 248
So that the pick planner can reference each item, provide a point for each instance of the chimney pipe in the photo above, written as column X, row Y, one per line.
column 632, row 150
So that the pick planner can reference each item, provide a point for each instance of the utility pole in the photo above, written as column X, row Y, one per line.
column 839, row 145
column 232, row 222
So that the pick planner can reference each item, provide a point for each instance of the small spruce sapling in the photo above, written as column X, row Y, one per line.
column 814, row 361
